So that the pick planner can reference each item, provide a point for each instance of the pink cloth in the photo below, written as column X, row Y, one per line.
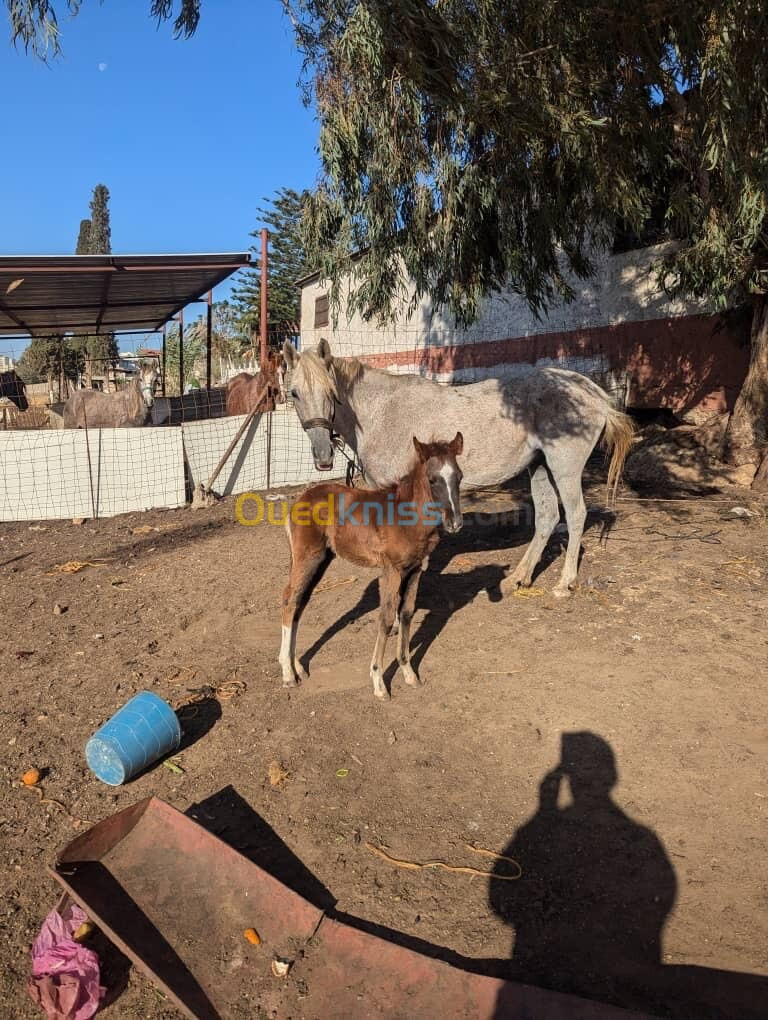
column 65, row 975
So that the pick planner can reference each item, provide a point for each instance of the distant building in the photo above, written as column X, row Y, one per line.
column 6, row 363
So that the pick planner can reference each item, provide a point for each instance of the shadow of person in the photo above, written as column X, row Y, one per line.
column 596, row 888
column 590, row 907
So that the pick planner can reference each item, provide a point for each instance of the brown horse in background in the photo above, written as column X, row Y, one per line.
column 13, row 389
column 247, row 393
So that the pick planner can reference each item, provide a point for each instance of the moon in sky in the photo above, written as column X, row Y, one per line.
column 102, row 67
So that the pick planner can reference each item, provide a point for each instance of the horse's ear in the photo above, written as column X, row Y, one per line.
column 458, row 444
column 419, row 449
column 290, row 354
column 324, row 351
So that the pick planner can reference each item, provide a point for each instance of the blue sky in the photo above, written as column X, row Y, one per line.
column 188, row 135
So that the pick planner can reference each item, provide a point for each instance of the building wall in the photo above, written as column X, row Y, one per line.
column 621, row 328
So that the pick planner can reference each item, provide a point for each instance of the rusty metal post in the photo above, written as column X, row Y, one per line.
column 62, row 393
column 264, row 306
column 181, row 353
column 165, row 328
column 208, row 337
column 269, row 448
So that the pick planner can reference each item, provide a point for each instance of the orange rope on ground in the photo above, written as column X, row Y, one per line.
column 462, row 869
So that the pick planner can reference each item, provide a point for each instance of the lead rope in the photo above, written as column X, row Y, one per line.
column 353, row 463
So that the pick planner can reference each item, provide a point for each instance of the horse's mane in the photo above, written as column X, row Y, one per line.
column 316, row 374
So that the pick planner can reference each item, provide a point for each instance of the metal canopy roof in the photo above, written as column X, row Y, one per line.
column 46, row 294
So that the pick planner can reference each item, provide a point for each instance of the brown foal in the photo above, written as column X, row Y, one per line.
column 394, row 529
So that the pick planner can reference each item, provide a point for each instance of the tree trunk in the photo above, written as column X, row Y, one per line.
column 747, row 434
column 760, row 481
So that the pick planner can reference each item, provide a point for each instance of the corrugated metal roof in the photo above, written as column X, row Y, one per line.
column 46, row 294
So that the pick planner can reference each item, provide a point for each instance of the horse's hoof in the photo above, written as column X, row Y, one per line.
column 289, row 685
column 381, row 695
column 562, row 593
column 412, row 679
column 509, row 585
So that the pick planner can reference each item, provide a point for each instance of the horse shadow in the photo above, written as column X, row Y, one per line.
column 464, row 591
column 444, row 593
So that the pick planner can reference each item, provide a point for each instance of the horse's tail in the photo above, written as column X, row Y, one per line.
column 617, row 437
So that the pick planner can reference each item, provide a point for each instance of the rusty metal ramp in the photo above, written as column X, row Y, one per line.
column 177, row 900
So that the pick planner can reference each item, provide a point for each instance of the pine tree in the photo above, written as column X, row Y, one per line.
column 286, row 264
column 47, row 357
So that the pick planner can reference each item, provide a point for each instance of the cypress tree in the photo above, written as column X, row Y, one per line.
column 100, row 234
column 84, row 238
column 102, row 350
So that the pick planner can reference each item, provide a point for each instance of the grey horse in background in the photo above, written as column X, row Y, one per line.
column 547, row 420
column 129, row 408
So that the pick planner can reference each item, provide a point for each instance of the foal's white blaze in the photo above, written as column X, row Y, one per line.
column 446, row 472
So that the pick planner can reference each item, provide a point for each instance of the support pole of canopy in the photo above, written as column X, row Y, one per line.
column 208, row 336
column 165, row 328
column 181, row 353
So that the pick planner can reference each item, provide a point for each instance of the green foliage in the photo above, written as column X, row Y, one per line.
column 474, row 144
column 228, row 340
column 84, row 238
column 287, row 262
column 719, row 205
column 35, row 24
column 194, row 349
column 100, row 232
column 45, row 357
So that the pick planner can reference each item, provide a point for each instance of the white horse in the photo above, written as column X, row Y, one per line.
column 547, row 420
column 129, row 408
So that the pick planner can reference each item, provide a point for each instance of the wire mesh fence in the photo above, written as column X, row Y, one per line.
column 48, row 474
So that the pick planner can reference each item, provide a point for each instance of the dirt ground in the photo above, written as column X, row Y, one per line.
column 643, row 895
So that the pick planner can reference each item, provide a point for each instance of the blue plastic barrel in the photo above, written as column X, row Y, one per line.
column 145, row 729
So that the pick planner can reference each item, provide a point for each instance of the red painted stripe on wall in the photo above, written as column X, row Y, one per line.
column 683, row 362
